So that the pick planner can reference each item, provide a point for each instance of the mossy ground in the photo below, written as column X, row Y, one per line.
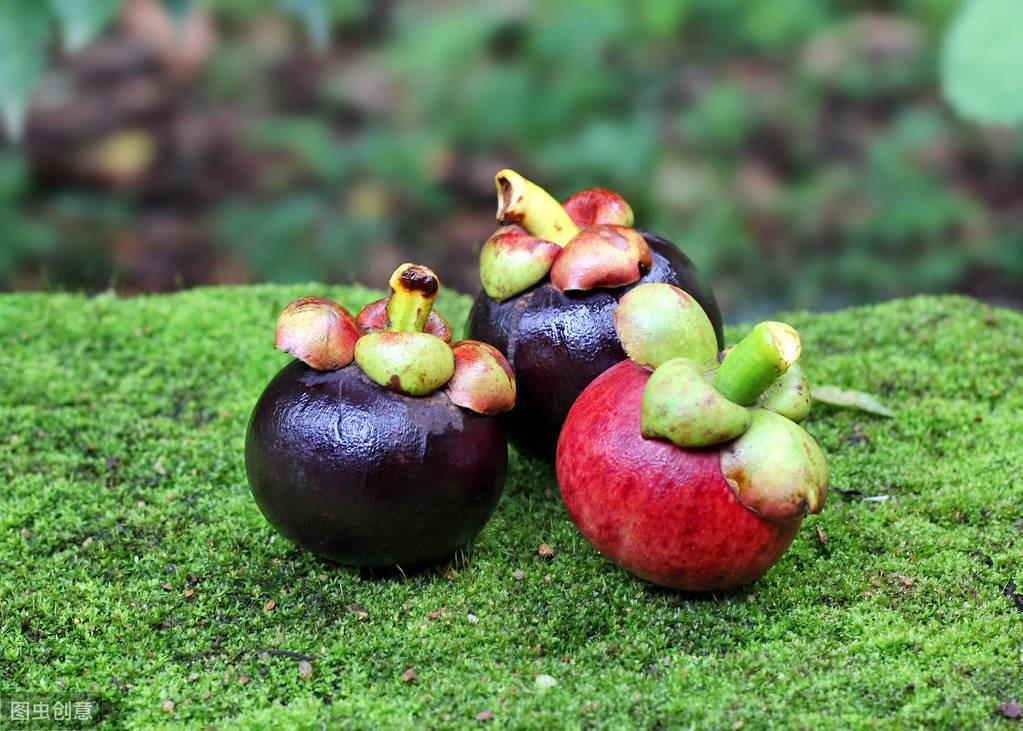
column 136, row 567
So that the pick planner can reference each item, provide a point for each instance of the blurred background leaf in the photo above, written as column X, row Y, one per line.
column 82, row 20
column 314, row 16
column 179, row 8
column 24, row 29
column 983, row 56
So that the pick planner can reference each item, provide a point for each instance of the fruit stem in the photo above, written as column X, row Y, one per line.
column 413, row 290
column 756, row 361
column 522, row 202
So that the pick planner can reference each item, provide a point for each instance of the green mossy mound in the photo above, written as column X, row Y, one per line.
column 136, row 567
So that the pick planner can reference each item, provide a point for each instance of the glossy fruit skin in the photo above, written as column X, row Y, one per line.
column 364, row 476
column 659, row 511
column 557, row 343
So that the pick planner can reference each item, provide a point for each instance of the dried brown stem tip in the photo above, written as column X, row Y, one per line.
column 413, row 290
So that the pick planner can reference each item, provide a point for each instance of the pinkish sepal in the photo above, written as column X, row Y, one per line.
column 373, row 318
column 320, row 333
column 601, row 256
column 596, row 206
column 483, row 381
column 512, row 261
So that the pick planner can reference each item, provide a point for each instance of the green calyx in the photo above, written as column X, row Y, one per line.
column 403, row 358
column 749, row 404
column 756, row 361
column 789, row 395
column 411, row 363
column 690, row 399
column 601, row 256
column 512, row 261
column 319, row 332
column 681, row 405
column 776, row 469
column 596, row 206
column 483, row 380
column 400, row 344
column 658, row 322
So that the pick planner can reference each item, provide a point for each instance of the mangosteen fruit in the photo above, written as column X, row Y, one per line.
column 552, row 275
column 379, row 445
column 686, row 467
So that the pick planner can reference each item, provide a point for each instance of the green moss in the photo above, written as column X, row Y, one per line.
column 121, row 429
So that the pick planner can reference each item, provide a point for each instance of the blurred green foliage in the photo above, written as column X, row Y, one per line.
column 22, row 237
column 983, row 56
column 799, row 151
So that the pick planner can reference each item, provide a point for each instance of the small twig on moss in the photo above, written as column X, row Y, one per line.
column 287, row 653
column 1010, row 592
column 204, row 654
column 275, row 653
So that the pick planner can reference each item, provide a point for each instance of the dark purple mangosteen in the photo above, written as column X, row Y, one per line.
column 379, row 445
column 552, row 275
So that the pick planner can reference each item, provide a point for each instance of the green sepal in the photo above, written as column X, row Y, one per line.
column 789, row 395
column 415, row 364
column 657, row 322
column 512, row 261
column 680, row 405
column 776, row 469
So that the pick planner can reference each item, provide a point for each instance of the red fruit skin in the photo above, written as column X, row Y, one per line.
column 662, row 512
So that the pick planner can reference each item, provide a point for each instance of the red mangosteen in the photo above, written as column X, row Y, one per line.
column 552, row 275
column 687, row 468
column 379, row 444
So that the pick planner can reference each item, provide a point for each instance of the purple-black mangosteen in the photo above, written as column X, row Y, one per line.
column 552, row 275
column 379, row 444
